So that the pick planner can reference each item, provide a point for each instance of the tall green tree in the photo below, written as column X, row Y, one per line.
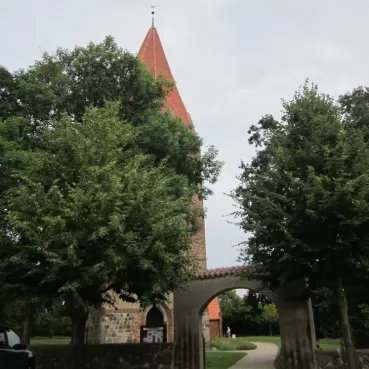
column 91, row 162
column 86, row 210
column 304, row 198
column 270, row 315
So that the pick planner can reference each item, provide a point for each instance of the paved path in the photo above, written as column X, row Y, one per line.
column 260, row 358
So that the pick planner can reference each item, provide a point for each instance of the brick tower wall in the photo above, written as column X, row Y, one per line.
column 215, row 329
column 198, row 244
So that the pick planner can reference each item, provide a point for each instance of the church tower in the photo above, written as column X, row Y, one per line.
column 153, row 56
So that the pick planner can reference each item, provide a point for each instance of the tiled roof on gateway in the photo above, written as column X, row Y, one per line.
column 153, row 55
column 222, row 272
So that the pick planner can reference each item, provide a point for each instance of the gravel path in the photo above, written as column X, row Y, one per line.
column 260, row 358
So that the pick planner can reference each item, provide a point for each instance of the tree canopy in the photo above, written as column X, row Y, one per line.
column 97, row 180
column 304, row 198
column 86, row 211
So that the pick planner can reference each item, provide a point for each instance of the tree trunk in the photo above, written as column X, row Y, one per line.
column 27, row 323
column 270, row 328
column 79, row 319
column 343, row 309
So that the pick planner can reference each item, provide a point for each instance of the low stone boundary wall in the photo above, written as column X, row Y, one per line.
column 104, row 356
column 331, row 359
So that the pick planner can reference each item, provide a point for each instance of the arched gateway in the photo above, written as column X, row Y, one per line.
column 295, row 317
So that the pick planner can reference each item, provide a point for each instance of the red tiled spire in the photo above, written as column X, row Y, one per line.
column 153, row 55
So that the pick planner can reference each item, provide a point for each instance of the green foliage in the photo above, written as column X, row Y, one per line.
column 93, row 213
column 270, row 314
column 50, row 324
column 13, row 315
column 71, row 81
column 230, row 344
column 230, row 304
column 97, row 180
column 355, row 105
column 244, row 314
column 48, row 318
column 326, row 315
column 304, row 197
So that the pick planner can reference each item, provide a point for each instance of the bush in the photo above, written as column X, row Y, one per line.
column 229, row 344
column 246, row 346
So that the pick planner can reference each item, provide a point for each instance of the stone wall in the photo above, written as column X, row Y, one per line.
column 331, row 359
column 108, row 356
column 122, row 322
column 205, row 325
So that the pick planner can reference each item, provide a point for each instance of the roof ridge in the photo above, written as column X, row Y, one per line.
column 222, row 272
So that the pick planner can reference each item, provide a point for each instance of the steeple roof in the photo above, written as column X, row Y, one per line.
column 153, row 55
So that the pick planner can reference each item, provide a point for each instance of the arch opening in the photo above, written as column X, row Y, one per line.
column 239, row 313
column 154, row 318
column 154, row 329
column 241, row 291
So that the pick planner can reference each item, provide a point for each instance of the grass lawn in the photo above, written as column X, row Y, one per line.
column 265, row 339
column 50, row 341
column 222, row 360
column 329, row 344
column 325, row 343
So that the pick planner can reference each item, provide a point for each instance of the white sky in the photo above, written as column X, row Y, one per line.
column 233, row 61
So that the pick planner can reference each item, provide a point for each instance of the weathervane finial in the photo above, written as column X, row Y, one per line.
column 153, row 15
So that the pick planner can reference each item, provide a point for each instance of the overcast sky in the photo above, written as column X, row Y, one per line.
column 233, row 61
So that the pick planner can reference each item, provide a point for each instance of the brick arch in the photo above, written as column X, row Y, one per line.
column 167, row 317
column 162, row 308
column 213, row 282
column 296, row 321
